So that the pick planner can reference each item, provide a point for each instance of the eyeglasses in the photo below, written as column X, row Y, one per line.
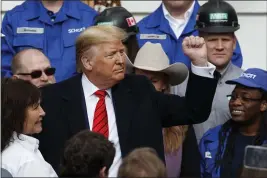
column 242, row 98
column 38, row 73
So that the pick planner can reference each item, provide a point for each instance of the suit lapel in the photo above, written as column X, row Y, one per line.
column 75, row 111
column 124, row 107
column 74, row 105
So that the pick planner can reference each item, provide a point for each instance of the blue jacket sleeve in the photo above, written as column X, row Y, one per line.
column 237, row 58
column 7, row 51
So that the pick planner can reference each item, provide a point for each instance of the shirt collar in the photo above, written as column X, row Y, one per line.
column 33, row 9
column 71, row 9
column 28, row 142
column 187, row 14
column 225, row 69
column 68, row 8
column 36, row 9
column 90, row 88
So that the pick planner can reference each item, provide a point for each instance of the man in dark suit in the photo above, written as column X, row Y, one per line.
column 125, row 108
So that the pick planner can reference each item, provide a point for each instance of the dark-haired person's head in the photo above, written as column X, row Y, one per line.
column 34, row 66
column 21, row 110
column 87, row 154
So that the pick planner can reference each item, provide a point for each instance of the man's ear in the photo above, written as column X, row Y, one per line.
column 103, row 172
column 263, row 106
column 235, row 42
column 87, row 63
column 15, row 76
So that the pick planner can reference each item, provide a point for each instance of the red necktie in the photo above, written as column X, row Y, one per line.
column 100, row 124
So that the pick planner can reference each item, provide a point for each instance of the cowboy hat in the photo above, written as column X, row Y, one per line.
column 151, row 57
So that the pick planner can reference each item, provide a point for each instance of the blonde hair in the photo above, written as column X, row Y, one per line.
column 94, row 36
column 173, row 138
column 142, row 162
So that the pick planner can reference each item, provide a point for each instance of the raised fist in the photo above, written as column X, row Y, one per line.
column 195, row 48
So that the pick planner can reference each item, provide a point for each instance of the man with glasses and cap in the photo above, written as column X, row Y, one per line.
column 222, row 148
column 34, row 66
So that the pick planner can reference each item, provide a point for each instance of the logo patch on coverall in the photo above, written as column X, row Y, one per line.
column 152, row 37
column 76, row 30
column 30, row 30
column 218, row 17
column 207, row 154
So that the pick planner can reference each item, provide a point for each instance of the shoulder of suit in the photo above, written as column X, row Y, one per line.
column 49, row 90
column 135, row 78
column 59, row 86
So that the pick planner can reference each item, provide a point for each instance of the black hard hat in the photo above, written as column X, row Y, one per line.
column 217, row 16
column 119, row 17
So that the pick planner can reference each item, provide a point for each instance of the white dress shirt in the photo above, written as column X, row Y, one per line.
column 22, row 158
column 178, row 25
column 91, row 101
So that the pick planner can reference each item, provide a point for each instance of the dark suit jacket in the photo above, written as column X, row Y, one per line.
column 140, row 112
column 190, row 166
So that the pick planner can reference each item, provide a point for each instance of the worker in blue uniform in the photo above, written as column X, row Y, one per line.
column 50, row 26
column 222, row 148
column 170, row 24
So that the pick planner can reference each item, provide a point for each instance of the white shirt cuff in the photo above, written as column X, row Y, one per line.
column 204, row 71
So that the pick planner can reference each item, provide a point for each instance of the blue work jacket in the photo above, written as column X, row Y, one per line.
column 31, row 25
column 156, row 29
column 208, row 148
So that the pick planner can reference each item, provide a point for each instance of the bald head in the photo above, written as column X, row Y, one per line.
column 31, row 60
column 24, row 58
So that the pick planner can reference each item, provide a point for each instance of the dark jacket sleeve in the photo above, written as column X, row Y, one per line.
column 194, row 108
column 190, row 166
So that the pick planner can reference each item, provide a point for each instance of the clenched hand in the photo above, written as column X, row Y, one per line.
column 195, row 48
